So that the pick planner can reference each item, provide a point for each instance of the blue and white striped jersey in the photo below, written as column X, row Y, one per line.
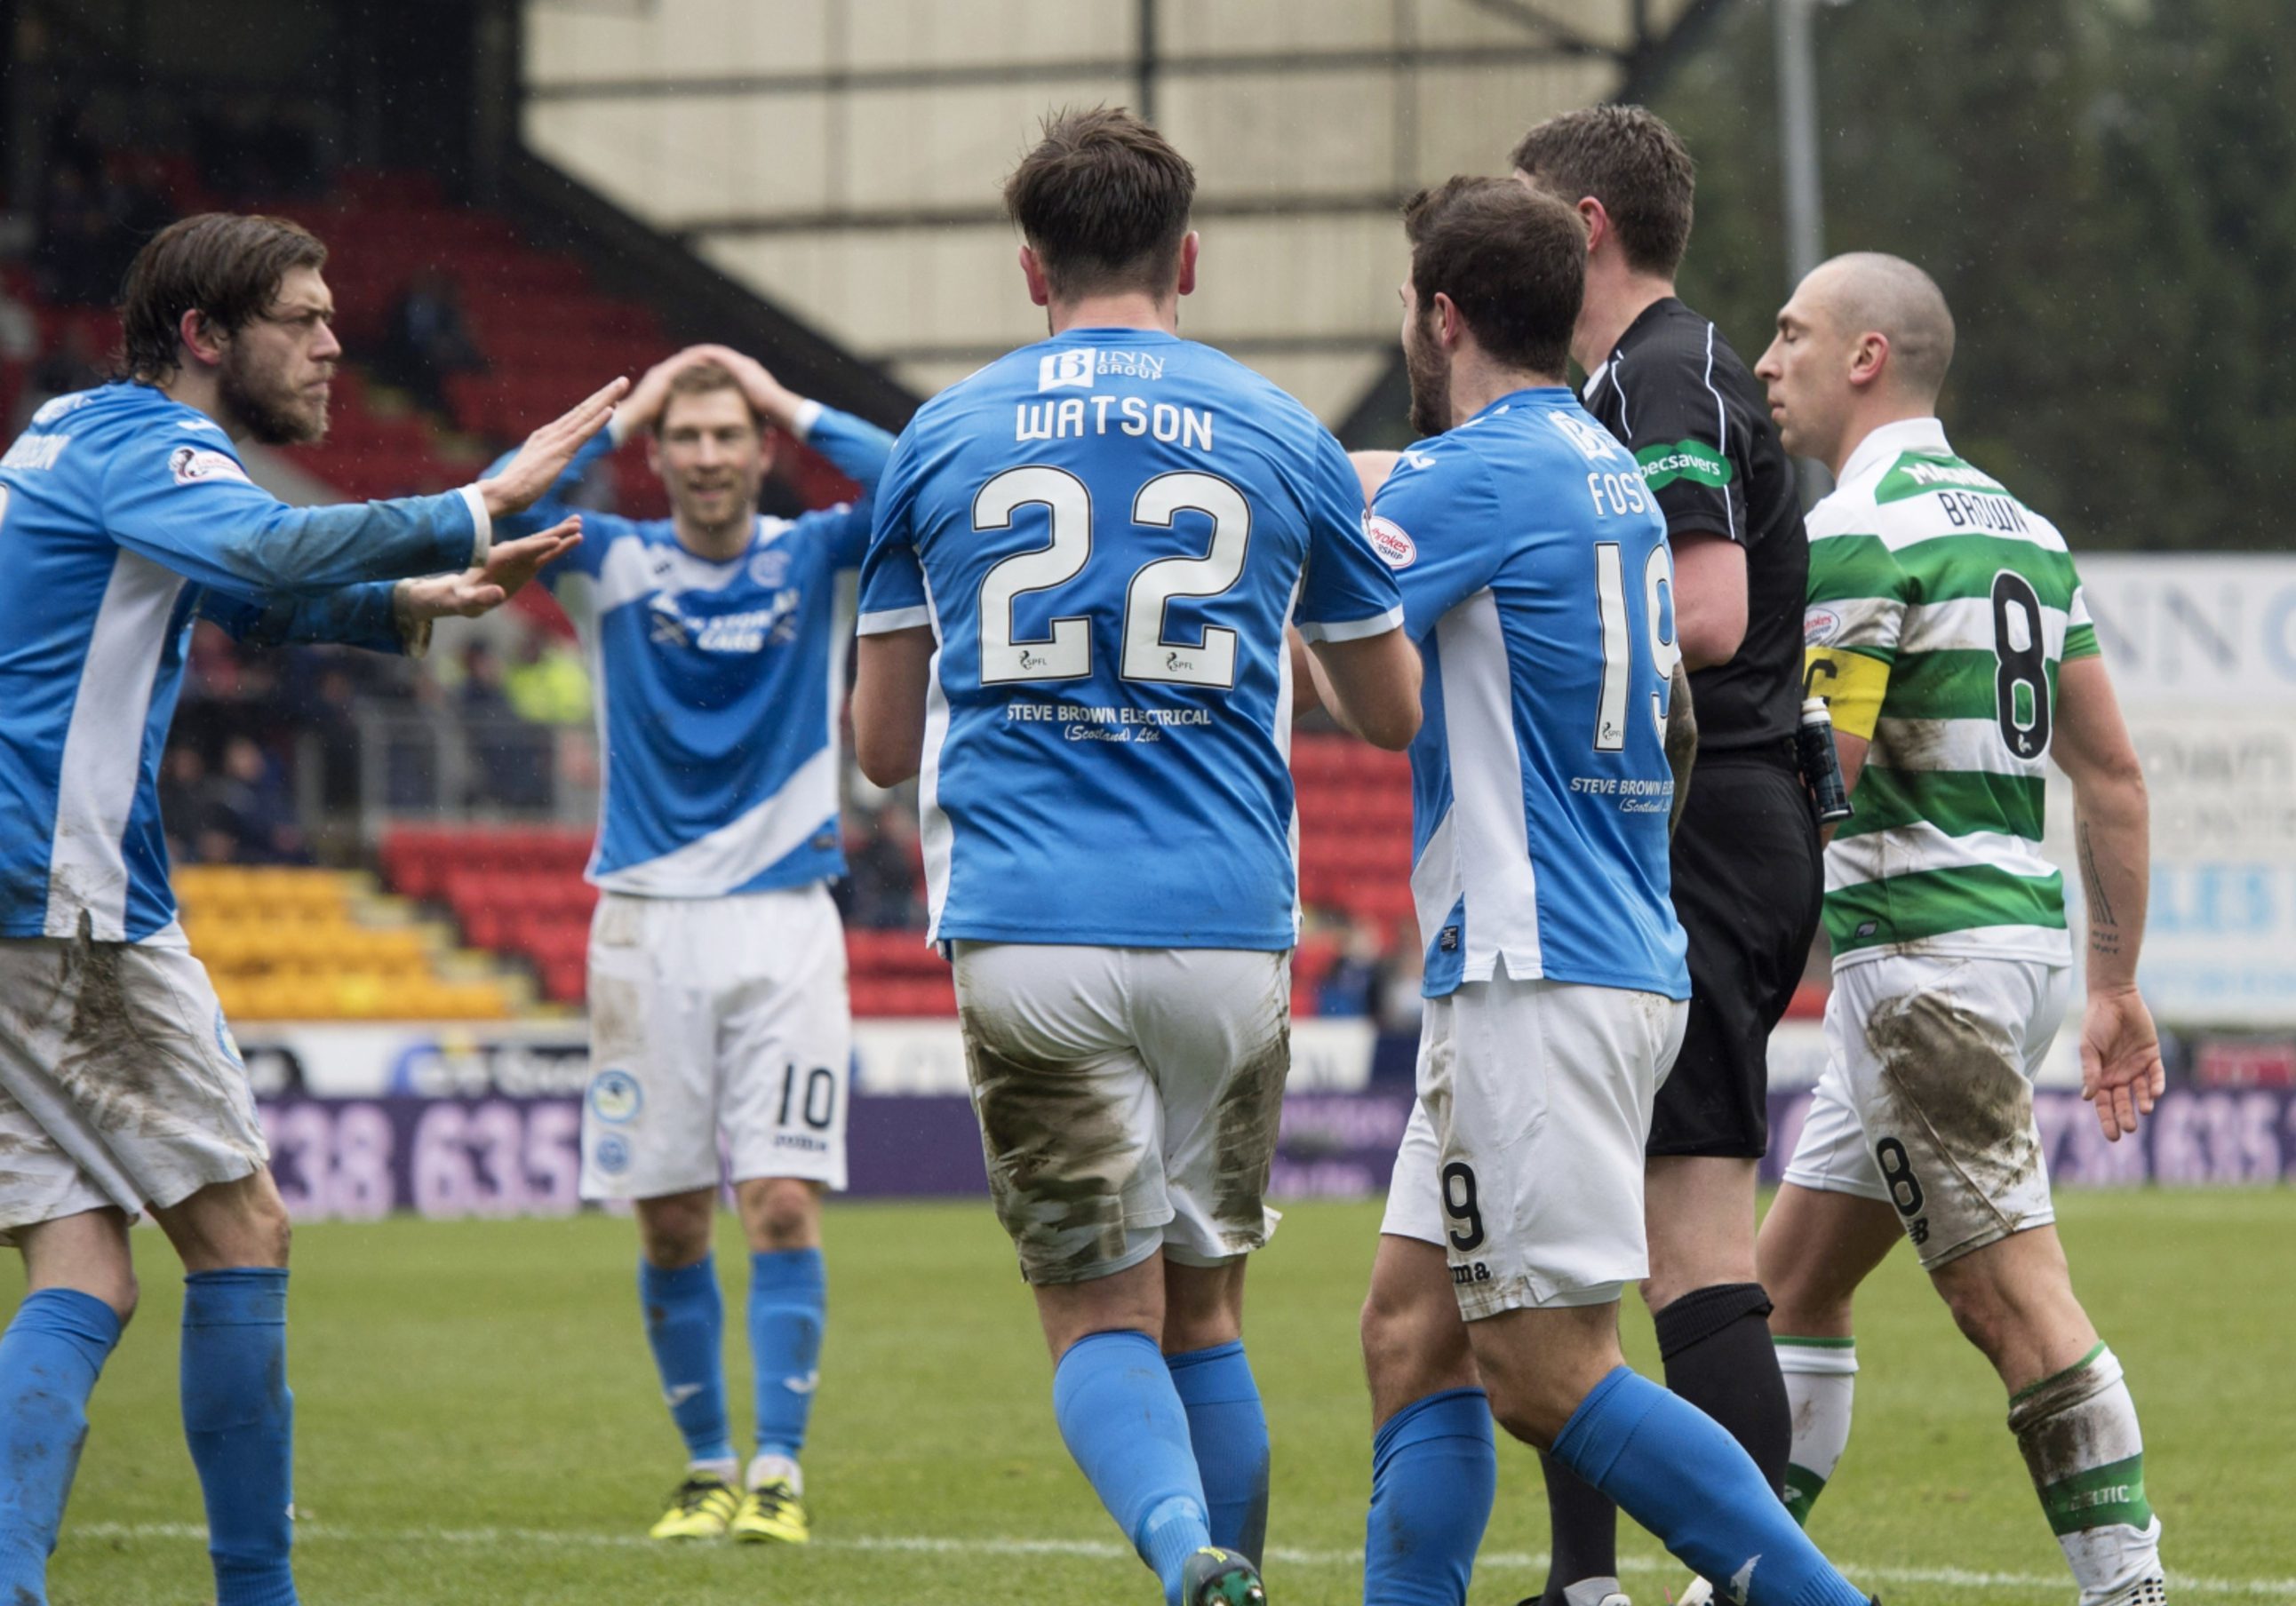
column 1108, row 532
column 717, row 684
column 124, row 515
column 1537, row 579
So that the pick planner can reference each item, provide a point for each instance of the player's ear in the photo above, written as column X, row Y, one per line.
column 1868, row 358
column 201, row 339
column 1449, row 326
column 653, row 449
column 1040, row 288
column 1596, row 217
column 1188, row 263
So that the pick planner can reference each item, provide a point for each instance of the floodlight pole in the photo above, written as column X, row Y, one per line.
column 1805, row 199
column 1798, row 138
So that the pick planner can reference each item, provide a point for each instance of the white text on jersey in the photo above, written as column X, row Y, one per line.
column 1076, row 416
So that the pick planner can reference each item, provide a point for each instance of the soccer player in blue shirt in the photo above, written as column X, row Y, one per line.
column 1073, row 618
column 718, row 997
column 128, row 514
column 1537, row 579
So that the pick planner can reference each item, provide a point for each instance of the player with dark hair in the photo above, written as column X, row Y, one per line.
column 128, row 515
column 1947, row 628
column 1535, row 578
column 1073, row 620
column 1746, row 876
column 717, row 984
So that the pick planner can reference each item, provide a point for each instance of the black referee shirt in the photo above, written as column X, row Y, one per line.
column 1683, row 403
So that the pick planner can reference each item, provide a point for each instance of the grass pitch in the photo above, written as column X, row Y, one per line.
column 478, row 1424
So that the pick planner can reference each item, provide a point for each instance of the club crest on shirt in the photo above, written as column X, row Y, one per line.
column 1396, row 549
column 770, row 568
column 190, row 465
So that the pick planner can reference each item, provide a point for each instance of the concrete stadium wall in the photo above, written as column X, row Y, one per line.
column 844, row 159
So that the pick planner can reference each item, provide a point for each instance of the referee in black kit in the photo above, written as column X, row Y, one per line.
column 1747, row 873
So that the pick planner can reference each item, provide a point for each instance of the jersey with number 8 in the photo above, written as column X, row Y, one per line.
column 1940, row 608
column 1108, row 532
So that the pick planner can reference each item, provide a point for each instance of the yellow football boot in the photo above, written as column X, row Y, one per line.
column 702, row 1507
column 772, row 1513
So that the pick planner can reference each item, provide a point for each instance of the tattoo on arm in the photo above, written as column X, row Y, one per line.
column 2104, row 929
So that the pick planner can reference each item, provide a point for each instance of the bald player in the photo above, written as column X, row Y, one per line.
column 1947, row 629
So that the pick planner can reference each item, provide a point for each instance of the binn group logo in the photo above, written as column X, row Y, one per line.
column 1070, row 369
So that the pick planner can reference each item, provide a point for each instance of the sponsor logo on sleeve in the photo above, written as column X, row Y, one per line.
column 1069, row 369
column 1396, row 549
column 1819, row 627
column 1691, row 460
column 190, row 465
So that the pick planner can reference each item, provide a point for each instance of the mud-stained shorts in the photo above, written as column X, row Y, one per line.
column 1523, row 1160
column 120, row 1083
column 1128, row 1099
column 710, row 1016
column 1927, row 1097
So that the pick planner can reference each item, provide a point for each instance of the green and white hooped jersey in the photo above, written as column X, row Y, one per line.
column 1940, row 609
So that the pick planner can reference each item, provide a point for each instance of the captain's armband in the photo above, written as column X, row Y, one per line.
column 1852, row 685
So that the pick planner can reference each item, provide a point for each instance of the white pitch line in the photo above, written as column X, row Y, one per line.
column 1936, row 1577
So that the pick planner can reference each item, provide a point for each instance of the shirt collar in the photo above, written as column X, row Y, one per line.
column 1885, row 445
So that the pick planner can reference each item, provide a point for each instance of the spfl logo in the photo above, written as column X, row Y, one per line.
column 1068, row 370
column 615, row 1096
column 1396, row 549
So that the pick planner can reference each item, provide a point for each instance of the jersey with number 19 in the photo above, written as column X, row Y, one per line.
column 1108, row 532
column 1536, row 578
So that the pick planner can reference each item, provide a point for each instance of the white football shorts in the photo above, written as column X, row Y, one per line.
column 1523, row 1160
column 1128, row 1099
column 120, row 1083
column 715, row 1017
column 1926, row 1101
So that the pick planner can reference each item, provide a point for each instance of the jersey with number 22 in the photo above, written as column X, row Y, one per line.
column 1107, row 532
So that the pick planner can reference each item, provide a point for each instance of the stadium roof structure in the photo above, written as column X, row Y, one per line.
column 843, row 161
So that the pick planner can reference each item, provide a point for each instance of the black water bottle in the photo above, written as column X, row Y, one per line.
column 1820, row 766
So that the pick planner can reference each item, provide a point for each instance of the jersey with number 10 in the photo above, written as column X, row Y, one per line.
column 1107, row 532
column 1537, row 582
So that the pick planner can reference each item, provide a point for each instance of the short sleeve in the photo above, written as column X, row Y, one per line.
column 893, row 595
column 2080, row 629
column 1348, row 591
column 1431, row 520
column 1692, row 453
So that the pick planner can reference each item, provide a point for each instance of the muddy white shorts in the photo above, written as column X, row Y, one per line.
column 1927, row 1096
column 715, row 1017
column 1128, row 1099
column 1523, row 1160
column 120, row 1083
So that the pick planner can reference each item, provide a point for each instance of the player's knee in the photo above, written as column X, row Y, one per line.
column 1533, row 1414
column 262, row 1232
column 785, row 1217
column 1410, row 1351
column 1984, row 1318
column 675, row 1231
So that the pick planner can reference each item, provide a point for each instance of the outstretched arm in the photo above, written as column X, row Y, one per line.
column 390, row 616
column 2121, row 1071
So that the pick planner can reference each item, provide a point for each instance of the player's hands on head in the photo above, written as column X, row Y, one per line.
column 766, row 393
column 476, row 590
column 547, row 451
column 641, row 410
column 2121, row 1073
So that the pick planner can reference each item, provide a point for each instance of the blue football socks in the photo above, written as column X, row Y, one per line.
column 238, row 1419
column 1434, row 1473
column 50, row 1357
column 684, row 1326
column 788, row 1294
column 1674, row 1469
column 1229, row 1430
column 1123, row 1422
